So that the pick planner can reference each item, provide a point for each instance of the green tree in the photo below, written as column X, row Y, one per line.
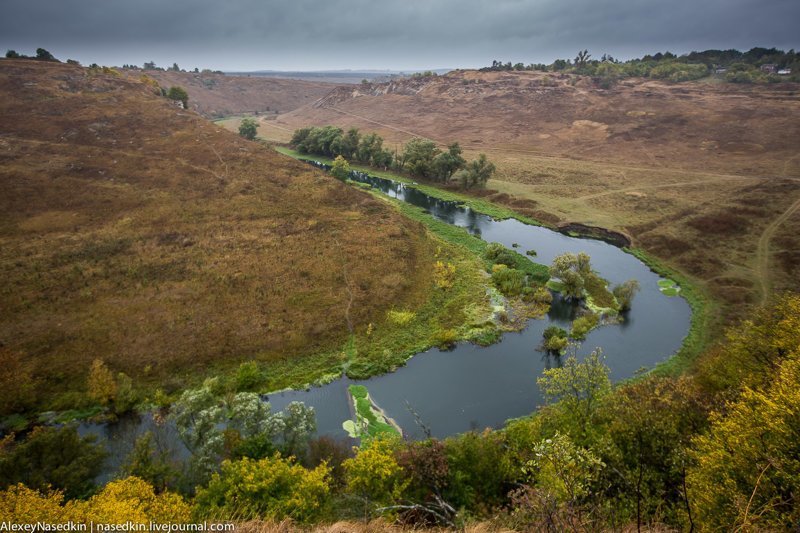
column 649, row 425
column 51, row 457
column 44, row 55
column 272, row 488
column 447, row 163
column 248, row 128
column 179, row 93
column 479, row 471
column 625, row 292
column 476, row 173
column 565, row 470
column 340, row 168
column 568, row 269
column 579, row 387
column 582, row 59
column 151, row 463
column 12, row 54
column 347, row 144
column 418, row 156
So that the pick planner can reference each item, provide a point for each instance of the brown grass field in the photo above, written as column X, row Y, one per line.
column 705, row 176
column 172, row 249
column 217, row 95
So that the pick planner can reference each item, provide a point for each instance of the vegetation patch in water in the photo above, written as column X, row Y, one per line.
column 370, row 420
column 668, row 287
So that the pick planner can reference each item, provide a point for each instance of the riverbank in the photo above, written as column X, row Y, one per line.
column 703, row 323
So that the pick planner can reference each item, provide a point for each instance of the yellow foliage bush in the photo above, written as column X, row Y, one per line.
column 101, row 385
column 444, row 274
column 400, row 318
column 374, row 472
column 748, row 465
column 269, row 488
column 130, row 499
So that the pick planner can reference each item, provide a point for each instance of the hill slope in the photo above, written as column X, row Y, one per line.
column 144, row 235
column 696, row 173
column 218, row 95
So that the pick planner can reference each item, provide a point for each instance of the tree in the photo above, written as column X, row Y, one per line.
column 179, row 93
column 564, row 469
column 446, row 163
column 248, row 128
column 340, row 168
column 175, row 68
column 150, row 463
column 582, row 59
column 101, row 385
column 298, row 424
column 51, row 457
column 476, row 173
column 578, row 386
column 479, row 470
column 12, row 54
column 625, row 292
column 44, row 55
column 418, row 156
column 567, row 269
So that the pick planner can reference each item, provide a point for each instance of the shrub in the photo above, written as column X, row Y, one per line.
column 445, row 338
column 101, row 385
column 444, row 274
column 340, row 168
column 249, row 376
column 248, row 128
column 179, row 93
column 555, row 339
column 374, row 472
column 509, row 281
column 400, row 318
column 271, row 488
column 581, row 326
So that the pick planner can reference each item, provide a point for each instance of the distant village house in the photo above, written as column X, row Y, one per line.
column 769, row 68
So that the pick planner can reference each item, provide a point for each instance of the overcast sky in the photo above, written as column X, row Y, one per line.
column 385, row 34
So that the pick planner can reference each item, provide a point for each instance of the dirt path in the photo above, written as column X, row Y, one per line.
column 384, row 125
column 762, row 252
column 666, row 185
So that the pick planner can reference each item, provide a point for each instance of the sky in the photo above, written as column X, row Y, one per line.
column 245, row 35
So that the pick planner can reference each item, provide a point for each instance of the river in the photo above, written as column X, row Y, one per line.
column 472, row 387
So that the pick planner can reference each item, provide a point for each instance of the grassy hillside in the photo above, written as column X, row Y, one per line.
column 217, row 95
column 703, row 175
column 143, row 235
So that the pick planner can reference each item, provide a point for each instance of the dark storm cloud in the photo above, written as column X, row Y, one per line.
column 314, row 34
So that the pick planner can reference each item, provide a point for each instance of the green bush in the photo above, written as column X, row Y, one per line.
column 249, row 377
column 581, row 326
column 508, row 281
